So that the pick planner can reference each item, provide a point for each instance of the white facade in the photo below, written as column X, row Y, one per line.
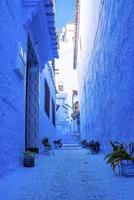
column 62, row 114
column 66, row 79
column 67, row 74
column 62, row 109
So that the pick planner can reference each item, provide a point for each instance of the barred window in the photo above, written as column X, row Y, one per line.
column 47, row 99
column 53, row 112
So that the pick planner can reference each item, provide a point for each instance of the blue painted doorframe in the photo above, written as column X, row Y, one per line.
column 32, row 101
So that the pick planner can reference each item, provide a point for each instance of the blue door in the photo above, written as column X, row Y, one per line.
column 32, row 101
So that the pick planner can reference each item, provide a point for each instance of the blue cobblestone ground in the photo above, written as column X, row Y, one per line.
column 69, row 175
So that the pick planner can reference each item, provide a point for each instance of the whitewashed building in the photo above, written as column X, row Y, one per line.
column 66, row 78
column 66, row 73
column 75, row 121
column 62, row 114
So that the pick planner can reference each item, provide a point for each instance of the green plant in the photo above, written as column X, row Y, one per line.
column 118, row 154
column 83, row 142
column 93, row 146
column 58, row 143
column 29, row 154
column 46, row 143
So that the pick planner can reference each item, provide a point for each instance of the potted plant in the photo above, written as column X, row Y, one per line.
column 122, row 158
column 58, row 144
column 83, row 143
column 93, row 146
column 29, row 159
column 47, row 146
column 127, row 167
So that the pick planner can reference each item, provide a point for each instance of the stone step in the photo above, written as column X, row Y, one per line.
column 75, row 148
column 71, row 145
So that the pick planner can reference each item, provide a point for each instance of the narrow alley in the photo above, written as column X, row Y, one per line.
column 67, row 100
column 70, row 174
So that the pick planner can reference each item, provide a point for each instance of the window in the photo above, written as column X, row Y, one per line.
column 53, row 112
column 60, row 86
column 47, row 99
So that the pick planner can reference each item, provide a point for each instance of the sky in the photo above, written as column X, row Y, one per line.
column 64, row 12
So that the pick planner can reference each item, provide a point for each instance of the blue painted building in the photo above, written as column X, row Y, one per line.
column 104, row 57
column 28, row 47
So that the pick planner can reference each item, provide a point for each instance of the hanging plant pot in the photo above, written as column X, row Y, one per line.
column 29, row 159
column 127, row 167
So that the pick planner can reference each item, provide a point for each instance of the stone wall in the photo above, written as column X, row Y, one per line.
column 106, row 70
column 46, row 128
column 12, row 88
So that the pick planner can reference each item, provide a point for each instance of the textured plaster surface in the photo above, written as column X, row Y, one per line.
column 12, row 88
column 71, row 174
column 106, row 71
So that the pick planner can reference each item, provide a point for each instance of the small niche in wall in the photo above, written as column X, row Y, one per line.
column 21, row 62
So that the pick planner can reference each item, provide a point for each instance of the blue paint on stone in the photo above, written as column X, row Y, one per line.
column 107, row 80
column 12, row 87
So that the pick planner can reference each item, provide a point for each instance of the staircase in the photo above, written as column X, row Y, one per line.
column 70, row 142
column 71, row 146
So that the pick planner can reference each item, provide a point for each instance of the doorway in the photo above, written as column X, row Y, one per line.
column 32, row 101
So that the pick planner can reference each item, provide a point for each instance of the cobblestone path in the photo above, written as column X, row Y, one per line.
column 69, row 175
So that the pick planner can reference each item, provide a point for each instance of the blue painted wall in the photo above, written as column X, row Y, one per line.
column 12, row 88
column 46, row 129
column 106, row 71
